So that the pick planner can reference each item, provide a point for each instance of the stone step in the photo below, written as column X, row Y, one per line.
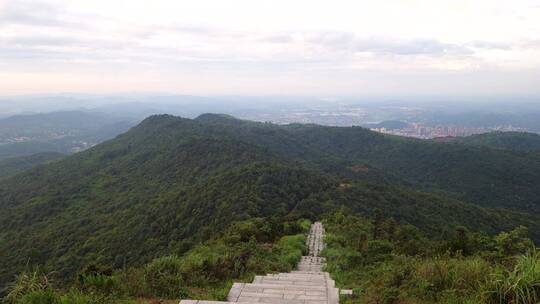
column 313, row 274
column 204, row 302
column 306, row 272
column 259, row 286
column 267, row 293
column 285, row 281
column 306, row 285
column 307, row 276
column 311, row 264
column 290, row 295
column 310, row 268
column 301, row 277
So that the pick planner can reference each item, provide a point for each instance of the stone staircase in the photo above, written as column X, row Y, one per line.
column 307, row 285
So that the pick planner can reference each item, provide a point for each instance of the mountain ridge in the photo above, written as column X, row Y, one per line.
column 172, row 182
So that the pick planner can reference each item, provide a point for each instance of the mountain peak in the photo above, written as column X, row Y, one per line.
column 218, row 118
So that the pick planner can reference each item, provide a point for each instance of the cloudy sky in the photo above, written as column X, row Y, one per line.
column 305, row 47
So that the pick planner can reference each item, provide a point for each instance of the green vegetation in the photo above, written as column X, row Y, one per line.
column 384, row 262
column 492, row 178
column 517, row 141
column 12, row 166
column 255, row 246
column 179, row 201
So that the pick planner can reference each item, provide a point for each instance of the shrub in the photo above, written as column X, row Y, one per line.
column 46, row 296
column 378, row 251
column 163, row 277
column 513, row 242
column 98, row 283
column 74, row 296
column 291, row 248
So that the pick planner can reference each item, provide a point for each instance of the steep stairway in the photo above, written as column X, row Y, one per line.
column 307, row 285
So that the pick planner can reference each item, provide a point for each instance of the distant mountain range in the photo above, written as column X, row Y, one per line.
column 171, row 182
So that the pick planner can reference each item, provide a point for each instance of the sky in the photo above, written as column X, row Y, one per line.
column 295, row 47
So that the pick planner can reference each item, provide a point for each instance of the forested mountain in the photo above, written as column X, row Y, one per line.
column 488, row 177
column 14, row 165
column 62, row 132
column 172, row 182
column 517, row 141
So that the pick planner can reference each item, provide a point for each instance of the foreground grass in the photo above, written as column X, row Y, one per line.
column 385, row 263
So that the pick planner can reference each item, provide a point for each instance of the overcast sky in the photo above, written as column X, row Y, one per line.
column 305, row 47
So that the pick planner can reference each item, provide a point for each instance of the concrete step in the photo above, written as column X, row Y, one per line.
column 259, row 287
column 310, row 268
column 204, row 302
column 292, row 281
column 269, row 293
column 307, row 285
column 306, row 272
column 301, row 276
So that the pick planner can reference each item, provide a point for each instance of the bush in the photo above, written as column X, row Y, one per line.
column 291, row 248
column 378, row 251
column 75, row 296
column 99, row 283
column 163, row 277
column 46, row 296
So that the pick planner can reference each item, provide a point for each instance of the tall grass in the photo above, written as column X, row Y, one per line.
column 521, row 285
column 291, row 247
column 27, row 282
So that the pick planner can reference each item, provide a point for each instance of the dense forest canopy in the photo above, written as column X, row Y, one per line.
column 170, row 183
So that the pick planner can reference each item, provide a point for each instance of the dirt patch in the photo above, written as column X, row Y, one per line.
column 344, row 185
column 360, row 168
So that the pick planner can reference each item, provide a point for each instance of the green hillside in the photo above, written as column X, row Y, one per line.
column 11, row 166
column 517, row 141
column 479, row 175
column 170, row 183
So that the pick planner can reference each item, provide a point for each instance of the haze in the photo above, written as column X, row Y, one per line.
column 368, row 48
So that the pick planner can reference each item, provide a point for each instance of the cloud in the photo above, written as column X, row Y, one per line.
column 430, row 47
column 36, row 41
column 386, row 46
column 35, row 13
column 490, row 45
column 183, row 39
column 278, row 38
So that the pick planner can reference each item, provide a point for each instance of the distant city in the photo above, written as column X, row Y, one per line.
column 419, row 130
column 402, row 121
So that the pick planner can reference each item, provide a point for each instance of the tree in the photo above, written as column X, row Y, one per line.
column 377, row 222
